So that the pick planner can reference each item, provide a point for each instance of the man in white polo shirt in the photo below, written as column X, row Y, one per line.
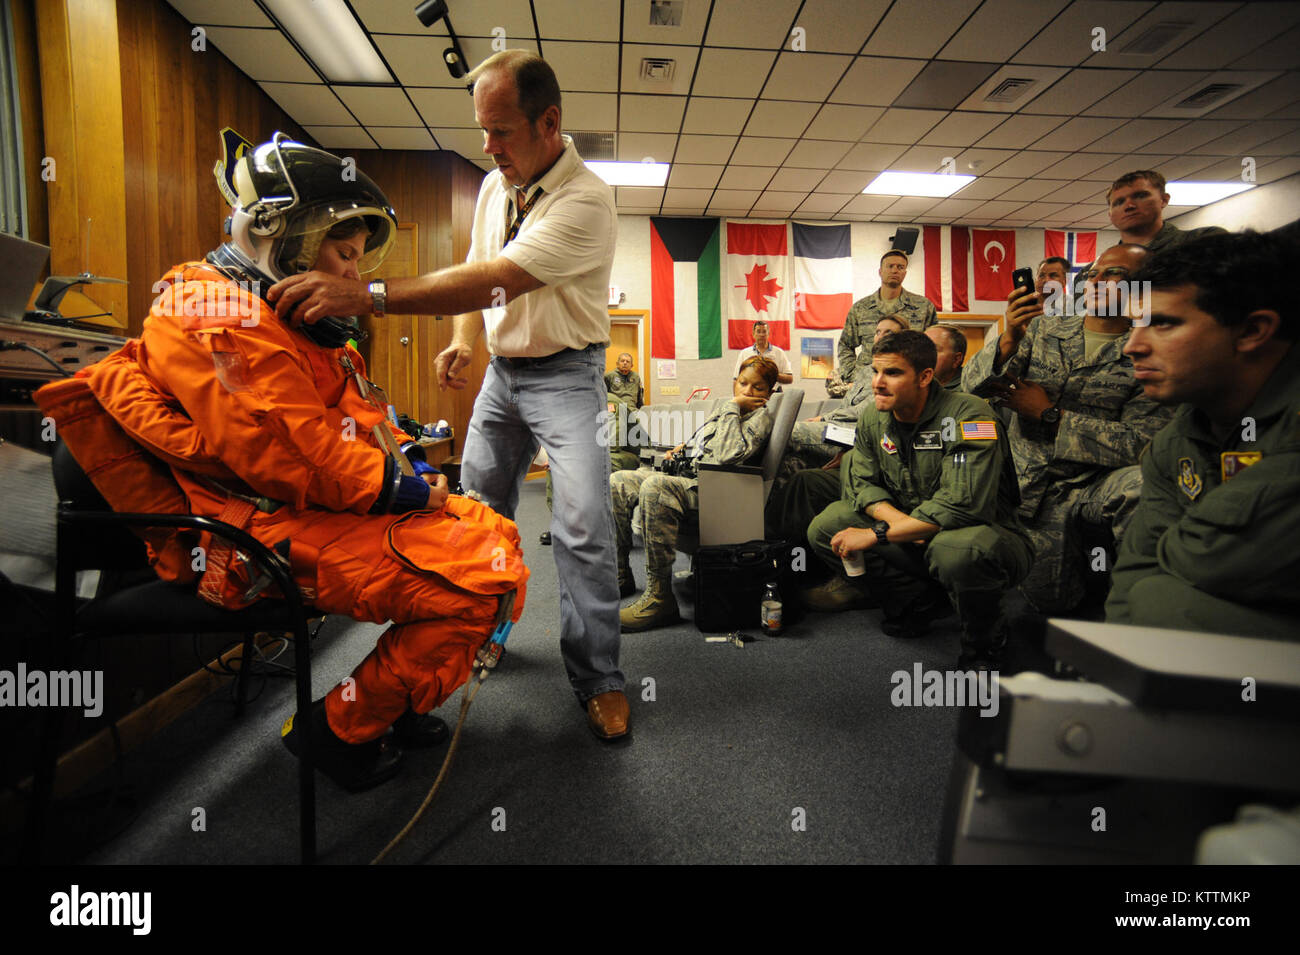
column 765, row 350
column 537, row 278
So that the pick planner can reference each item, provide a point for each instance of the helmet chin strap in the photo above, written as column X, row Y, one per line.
column 329, row 332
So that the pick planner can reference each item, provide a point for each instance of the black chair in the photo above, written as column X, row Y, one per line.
column 91, row 536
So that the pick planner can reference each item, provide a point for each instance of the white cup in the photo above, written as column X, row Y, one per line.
column 855, row 564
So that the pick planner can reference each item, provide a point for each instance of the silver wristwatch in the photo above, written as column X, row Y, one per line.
column 378, row 290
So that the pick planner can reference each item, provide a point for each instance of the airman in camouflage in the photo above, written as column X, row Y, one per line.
column 735, row 434
column 890, row 299
column 1079, row 422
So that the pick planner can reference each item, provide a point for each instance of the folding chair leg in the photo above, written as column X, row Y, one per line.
column 306, row 760
column 47, row 758
column 241, row 680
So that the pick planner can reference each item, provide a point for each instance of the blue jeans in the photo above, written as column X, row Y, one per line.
column 557, row 402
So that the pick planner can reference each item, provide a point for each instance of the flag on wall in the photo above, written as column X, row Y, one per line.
column 822, row 274
column 947, row 267
column 757, row 283
column 995, row 259
column 740, row 334
column 685, row 308
column 1077, row 248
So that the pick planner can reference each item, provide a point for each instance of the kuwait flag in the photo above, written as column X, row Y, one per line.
column 685, row 311
column 995, row 260
column 946, row 250
column 822, row 274
column 758, row 279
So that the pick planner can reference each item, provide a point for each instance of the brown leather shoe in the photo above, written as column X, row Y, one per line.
column 608, row 715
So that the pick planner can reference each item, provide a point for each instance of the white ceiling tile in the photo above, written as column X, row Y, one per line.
column 636, row 210
column 651, row 114
column 761, row 24
column 1145, row 92
column 819, row 203
column 732, row 72
column 1261, row 102
column 379, row 106
column 445, row 108
column 633, row 147
column 792, row 179
column 637, row 27
column 847, row 123
column 1077, row 90
column 960, row 129
column 1032, row 189
column 816, row 153
column 390, row 16
column 688, row 176
column 1243, row 140
column 1081, row 191
column 985, row 187
column 1042, row 210
column 944, row 85
column 1017, row 132
column 780, row 202
column 983, row 162
column 779, row 118
column 309, row 104
column 1198, row 17
column 583, row 67
column 845, row 181
column 952, row 208
column 904, row 126
column 467, row 142
column 693, row 148
column 746, row 177
column 577, row 20
column 263, row 55
column 232, row 13
column 734, row 198
column 481, row 17
column 875, row 156
column 684, row 65
column 918, row 29
column 1029, row 81
column 761, row 151
column 676, row 198
column 997, row 208
column 1287, row 145
column 1078, row 133
column 1022, row 164
column 1241, row 83
column 1126, row 164
column 1233, row 37
column 1183, row 167
column 402, row 137
column 1277, row 169
column 1192, row 135
column 477, row 49
column 1068, row 39
column 596, row 112
column 730, row 213
column 875, row 81
column 721, row 117
column 839, row 26
column 1280, row 53
column 908, row 206
column 999, row 28
column 639, row 196
column 1221, row 171
column 805, row 76
column 868, row 205
column 417, row 60
column 924, row 159
column 340, row 137
column 1078, row 165
column 1136, row 133
column 1082, row 211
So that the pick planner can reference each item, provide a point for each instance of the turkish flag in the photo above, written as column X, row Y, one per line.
column 994, row 251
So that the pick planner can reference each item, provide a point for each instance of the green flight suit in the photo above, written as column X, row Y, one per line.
column 1214, row 553
column 916, row 311
column 944, row 475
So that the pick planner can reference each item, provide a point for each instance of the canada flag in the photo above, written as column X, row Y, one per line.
column 757, row 283
column 994, row 251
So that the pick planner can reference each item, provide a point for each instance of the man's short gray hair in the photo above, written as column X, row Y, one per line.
column 534, row 80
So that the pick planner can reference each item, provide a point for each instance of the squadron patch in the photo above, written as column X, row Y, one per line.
column 889, row 446
column 927, row 441
column 1189, row 482
column 1234, row 462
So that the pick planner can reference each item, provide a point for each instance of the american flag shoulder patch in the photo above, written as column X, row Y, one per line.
column 979, row 431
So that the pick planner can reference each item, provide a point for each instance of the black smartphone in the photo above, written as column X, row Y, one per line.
column 1023, row 279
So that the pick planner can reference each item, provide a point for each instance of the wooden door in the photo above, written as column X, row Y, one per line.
column 391, row 350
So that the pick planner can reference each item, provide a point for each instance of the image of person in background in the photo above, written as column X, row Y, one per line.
column 763, row 348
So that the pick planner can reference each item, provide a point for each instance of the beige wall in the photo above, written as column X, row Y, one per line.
column 1263, row 208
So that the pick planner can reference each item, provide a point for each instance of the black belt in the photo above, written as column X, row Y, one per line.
column 517, row 363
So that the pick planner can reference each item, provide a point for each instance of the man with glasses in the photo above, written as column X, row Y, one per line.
column 916, row 311
column 1079, row 422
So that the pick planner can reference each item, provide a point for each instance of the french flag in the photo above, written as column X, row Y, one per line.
column 1077, row 248
column 947, row 267
column 823, row 275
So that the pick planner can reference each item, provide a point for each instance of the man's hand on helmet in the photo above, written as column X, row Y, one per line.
column 312, row 296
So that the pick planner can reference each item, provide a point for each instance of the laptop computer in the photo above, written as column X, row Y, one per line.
column 23, row 264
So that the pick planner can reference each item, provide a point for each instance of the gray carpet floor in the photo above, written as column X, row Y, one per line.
column 731, row 749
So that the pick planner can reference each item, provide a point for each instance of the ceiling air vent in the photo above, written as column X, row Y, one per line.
column 1208, row 96
column 1156, row 37
column 1010, row 89
column 657, row 70
column 594, row 146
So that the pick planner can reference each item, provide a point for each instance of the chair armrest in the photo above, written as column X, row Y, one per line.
column 732, row 468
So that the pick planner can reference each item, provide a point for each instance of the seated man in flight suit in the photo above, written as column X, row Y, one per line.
column 277, row 431
column 1212, row 545
column 929, row 500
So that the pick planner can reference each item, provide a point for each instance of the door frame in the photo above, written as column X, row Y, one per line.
column 639, row 317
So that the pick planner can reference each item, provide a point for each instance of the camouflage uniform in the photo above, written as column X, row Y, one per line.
column 860, row 324
column 625, row 388
column 621, row 458
column 1212, row 545
column 666, row 500
column 1085, row 467
column 1169, row 235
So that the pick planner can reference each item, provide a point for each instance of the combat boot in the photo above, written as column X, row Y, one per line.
column 915, row 619
column 354, row 766
column 626, row 582
column 656, row 608
column 983, row 631
column 839, row 593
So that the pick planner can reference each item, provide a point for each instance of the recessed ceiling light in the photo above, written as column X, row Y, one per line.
column 934, row 185
column 329, row 34
column 1203, row 193
column 631, row 173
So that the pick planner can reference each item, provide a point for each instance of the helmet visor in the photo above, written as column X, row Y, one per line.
column 343, row 219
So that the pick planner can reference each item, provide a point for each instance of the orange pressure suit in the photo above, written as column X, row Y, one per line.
column 241, row 407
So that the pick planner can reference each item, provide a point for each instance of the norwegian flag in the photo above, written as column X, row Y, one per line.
column 1077, row 248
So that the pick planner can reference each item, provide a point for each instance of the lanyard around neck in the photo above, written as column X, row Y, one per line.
column 515, row 216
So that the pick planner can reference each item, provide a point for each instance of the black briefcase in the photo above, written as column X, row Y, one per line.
column 730, row 579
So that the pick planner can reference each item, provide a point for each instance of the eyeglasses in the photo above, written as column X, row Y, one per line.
column 1115, row 271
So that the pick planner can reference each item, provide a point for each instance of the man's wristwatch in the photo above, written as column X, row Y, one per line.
column 882, row 529
column 1051, row 416
column 378, row 290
